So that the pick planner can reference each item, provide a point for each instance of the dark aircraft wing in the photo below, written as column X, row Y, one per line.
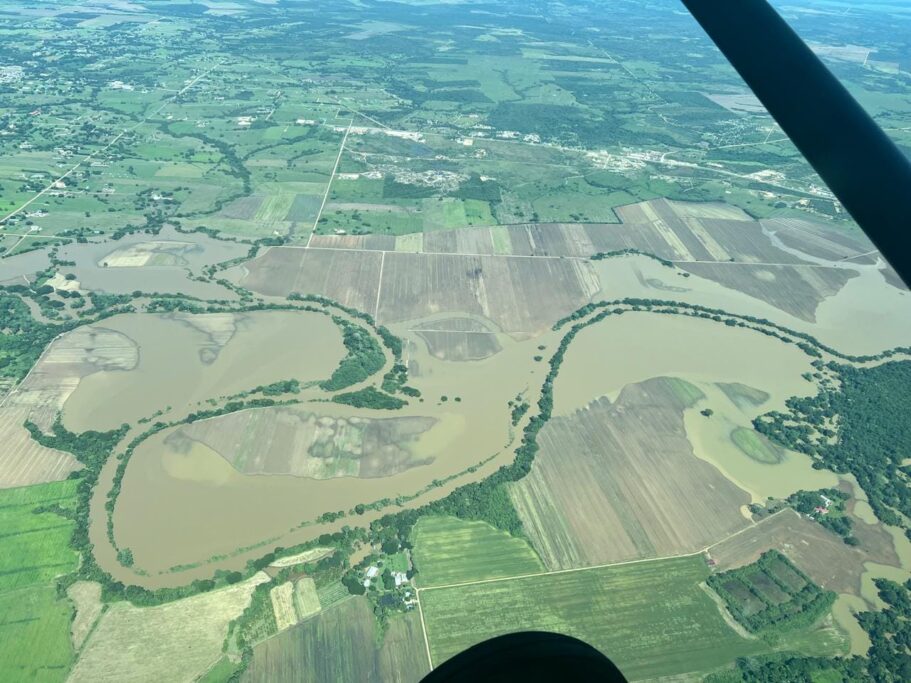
column 857, row 160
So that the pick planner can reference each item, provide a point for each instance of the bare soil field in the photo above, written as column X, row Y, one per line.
column 797, row 290
column 155, row 253
column 820, row 553
column 298, row 442
column 519, row 296
column 620, row 482
column 460, row 346
column 349, row 277
column 458, row 339
column 815, row 240
column 41, row 396
column 358, row 242
column 177, row 641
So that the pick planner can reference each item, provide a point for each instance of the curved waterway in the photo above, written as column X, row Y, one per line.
column 186, row 507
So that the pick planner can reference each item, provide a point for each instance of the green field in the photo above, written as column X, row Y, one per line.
column 757, row 446
column 343, row 644
column 448, row 550
column 34, row 623
column 650, row 618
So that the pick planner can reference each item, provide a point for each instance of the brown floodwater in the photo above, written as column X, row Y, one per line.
column 183, row 362
column 711, row 440
column 866, row 316
column 637, row 346
column 211, row 509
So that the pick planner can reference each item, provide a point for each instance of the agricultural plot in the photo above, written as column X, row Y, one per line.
column 156, row 253
column 814, row 240
column 620, row 481
column 86, row 597
column 341, row 644
column 458, row 339
column 651, row 618
column 294, row 601
column 819, row 553
column 519, row 296
column 449, row 551
column 349, row 277
column 42, row 395
column 756, row 446
column 771, row 595
column 797, row 290
column 304, row 444
column 743, row 396
column 34, row 550
column 176, row 641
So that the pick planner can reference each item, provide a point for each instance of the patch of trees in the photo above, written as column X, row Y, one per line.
column 602, row 255
column 395, row 380
column 872, row 438
column 479, row 189
column 887, row 660
column 834, row 519
column 805, row 606
column 518, row 410
column 22, row 338
column 365, row 357
column 288, row 386
column 392, row 189
column 370, row 397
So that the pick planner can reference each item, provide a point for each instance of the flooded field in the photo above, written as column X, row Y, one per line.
column 634, row 347
column 712, row 441
column 187, row 359
column 884, row 310
column 213, row 509
column 151, row 263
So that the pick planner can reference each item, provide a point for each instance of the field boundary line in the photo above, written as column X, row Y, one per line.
column 555, row 572
column 752, row 526
column 338, row 160
column 379, row 287
column 834, row 266
column 424, row 629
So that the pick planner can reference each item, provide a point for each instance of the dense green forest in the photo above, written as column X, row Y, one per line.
column 869, row 416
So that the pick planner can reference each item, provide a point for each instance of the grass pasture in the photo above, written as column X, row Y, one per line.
column 34, row 623
column 651, row 618
column 448, row 550
column 176, row 641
